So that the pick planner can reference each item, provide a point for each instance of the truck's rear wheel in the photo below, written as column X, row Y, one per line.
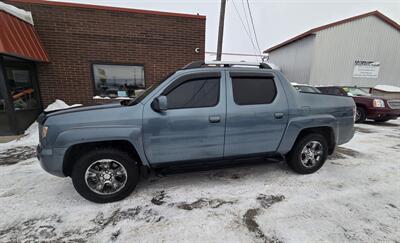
column 308, row 154
column 105, row 175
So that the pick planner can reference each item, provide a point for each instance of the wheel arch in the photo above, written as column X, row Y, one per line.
column 73, row 152
column 326, row 125
column 325, row 131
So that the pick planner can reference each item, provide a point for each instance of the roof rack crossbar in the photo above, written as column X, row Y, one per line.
column 200, row 64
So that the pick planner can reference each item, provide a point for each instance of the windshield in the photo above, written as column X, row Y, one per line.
column 352, row 91
column 146, row 92
column 307, row 89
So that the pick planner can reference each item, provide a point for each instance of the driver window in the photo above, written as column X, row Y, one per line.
column 195, row 93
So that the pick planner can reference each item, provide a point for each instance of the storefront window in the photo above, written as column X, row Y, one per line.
column 117, row 80
column 22, row 89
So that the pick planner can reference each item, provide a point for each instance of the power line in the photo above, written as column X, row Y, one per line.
column 244, row 27
column 245, row 16
column 252, row 23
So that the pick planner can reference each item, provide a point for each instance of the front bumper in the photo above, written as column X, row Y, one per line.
column 383, row 113
column 51, row 160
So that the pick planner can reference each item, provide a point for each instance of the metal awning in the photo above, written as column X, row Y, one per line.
column 19, row 38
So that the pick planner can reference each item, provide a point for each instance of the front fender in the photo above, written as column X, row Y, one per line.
column 73, row 136
column 297, row 124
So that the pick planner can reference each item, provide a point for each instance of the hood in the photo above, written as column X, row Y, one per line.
column 370, row 97
column 46, row 114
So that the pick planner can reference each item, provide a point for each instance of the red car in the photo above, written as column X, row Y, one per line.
column 368, row 107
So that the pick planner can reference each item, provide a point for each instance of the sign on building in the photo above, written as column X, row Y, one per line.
column 366, row 69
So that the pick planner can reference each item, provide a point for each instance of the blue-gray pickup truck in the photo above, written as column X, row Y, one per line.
column 202, row 113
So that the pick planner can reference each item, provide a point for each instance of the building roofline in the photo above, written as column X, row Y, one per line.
column 108, row 8
column 317, row 29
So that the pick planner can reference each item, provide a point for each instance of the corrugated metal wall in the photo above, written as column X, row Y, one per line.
column 295, row 59
column 367, row 39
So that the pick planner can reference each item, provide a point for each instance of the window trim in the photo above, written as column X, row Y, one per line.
column 192, row 77
column 92, row 63
column 256, row 76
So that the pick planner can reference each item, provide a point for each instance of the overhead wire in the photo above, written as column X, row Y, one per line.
column 252, row 23
column 244, row 27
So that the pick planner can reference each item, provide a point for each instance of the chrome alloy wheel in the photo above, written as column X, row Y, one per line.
column 311, row 154
column 106, row 176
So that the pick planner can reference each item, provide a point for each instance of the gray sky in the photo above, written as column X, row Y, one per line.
column 275, row 21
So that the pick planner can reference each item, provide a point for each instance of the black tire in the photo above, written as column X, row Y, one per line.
column 362, row 115
column 381, row 120
column 124, row 160
column 294, row 158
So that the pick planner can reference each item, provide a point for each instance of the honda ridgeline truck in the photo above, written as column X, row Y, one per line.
column 201, row 113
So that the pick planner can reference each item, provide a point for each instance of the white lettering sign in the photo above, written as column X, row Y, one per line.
column 366, row 69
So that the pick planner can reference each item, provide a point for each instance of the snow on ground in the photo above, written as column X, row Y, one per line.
column 355, row 197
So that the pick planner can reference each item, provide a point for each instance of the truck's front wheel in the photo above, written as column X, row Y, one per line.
column 105, row 175
column 308, row 154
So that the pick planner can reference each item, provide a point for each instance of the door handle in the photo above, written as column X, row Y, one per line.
column 214, row 119
column 278, row 115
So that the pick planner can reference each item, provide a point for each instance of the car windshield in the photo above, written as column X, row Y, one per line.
column 146, row 92
column 352, row 91
column 307, row 89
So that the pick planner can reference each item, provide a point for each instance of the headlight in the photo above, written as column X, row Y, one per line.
column 378, row 103
column 44, row 132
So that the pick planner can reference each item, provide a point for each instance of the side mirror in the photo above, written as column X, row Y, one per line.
column 160, row 104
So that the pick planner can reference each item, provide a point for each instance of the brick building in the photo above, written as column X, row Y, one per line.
column 86, row 54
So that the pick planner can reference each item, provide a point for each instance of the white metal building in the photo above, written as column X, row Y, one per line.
column 363, row 50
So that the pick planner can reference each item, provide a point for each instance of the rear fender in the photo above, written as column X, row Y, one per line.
column 296, row 125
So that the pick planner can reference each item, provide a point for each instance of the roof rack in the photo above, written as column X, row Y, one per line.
column 200, row 64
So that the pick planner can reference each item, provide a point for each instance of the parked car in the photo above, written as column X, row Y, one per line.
column 306, row 88
column 368, row 106
column 199, row 114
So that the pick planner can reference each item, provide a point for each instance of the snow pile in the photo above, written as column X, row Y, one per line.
column 387, row 88
column 59, row 105
column 31, row 135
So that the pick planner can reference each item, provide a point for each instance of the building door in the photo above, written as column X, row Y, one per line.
column 22, row 95
column 5, row 128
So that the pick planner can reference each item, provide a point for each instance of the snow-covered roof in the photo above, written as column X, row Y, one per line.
column 17, row 12
column 387, row 88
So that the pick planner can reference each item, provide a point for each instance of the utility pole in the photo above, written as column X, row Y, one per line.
column 221, row 29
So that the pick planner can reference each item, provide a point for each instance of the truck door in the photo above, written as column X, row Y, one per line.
column 193, row 126
column 257, row 113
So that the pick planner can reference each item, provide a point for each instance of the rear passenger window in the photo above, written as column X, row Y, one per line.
column 253, row 90
column 194, row 94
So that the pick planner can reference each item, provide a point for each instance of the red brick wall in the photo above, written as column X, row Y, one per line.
column 76, row 37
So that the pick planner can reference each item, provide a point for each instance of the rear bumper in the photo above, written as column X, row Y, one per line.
column 51, row 160
column 383, row 113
